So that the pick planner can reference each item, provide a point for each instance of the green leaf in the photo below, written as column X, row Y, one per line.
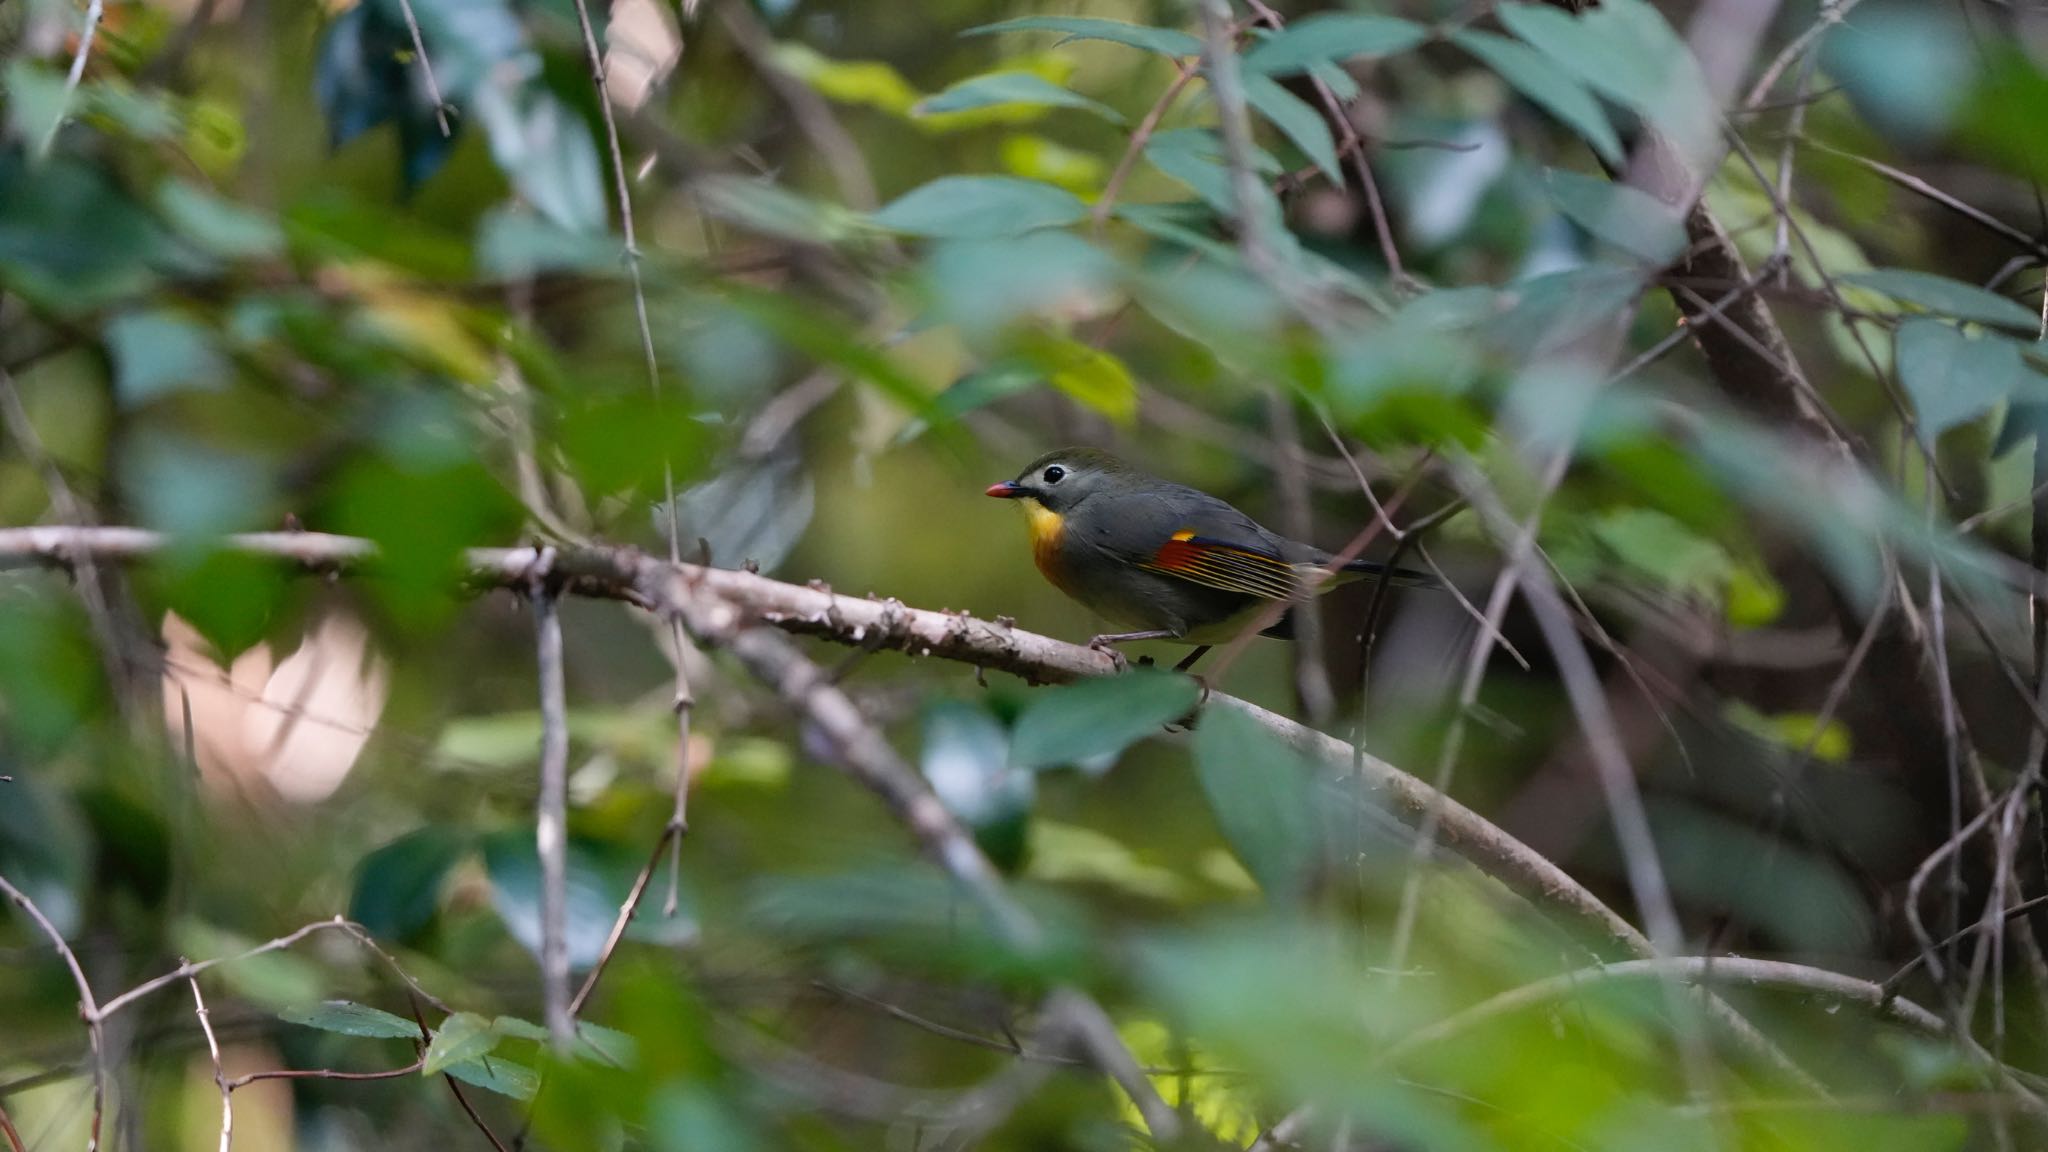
column 772, row 210
column 595, row 893
column 606, row 1045
column 1626, row 217
column 519, row 1029
column 1010, row 89
column 1794, row 731
column 1091, row 376
column 160, row 353
column 1327, row 37
column 351, row 1019
column 1625, row 51
column 1663, row 550
column 1097, row 719
column 1165, row 41
column 1296, row 120
column 869, row 82
column 398, row 887
column 979, row 207
column 461, row 1038
column 221, row 227
column 1070, row 854
column 1546, row 85
column 497, row 1074
column 1946, row 297
column 1262, row 793
column 1953, row 378
column 546, row 150
column 984, row 285
column 966, row 758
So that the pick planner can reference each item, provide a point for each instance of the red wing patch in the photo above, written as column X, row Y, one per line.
column 1230, row 567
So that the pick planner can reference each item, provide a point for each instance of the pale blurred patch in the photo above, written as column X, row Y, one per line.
column 643, row 44
column 296, row 726
column 263, row 1109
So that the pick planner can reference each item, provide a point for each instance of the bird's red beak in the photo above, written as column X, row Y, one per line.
column 1007, row 490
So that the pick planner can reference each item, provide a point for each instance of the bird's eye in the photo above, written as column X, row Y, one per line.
column 1054, row 474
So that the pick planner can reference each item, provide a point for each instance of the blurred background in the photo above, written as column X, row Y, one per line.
column 273, row 267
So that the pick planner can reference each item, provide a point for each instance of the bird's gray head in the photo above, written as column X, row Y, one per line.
column 1060, row 480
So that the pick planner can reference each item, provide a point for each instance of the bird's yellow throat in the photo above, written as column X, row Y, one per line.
column 1044, row 523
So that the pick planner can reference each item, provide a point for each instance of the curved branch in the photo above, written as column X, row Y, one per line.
column 734, row 598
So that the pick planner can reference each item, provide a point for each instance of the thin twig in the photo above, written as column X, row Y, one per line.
column 220, row 1072
column 88, row 1008
column 93, row 11
column 419, row 48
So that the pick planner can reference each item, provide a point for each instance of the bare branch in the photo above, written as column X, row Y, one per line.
column 627, row 574
column 551, row 829
column 220, row 1072
column 87, row 1006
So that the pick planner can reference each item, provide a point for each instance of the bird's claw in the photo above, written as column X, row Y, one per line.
column 1107, row 647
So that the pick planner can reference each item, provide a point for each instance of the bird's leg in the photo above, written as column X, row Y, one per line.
column 1105, row 642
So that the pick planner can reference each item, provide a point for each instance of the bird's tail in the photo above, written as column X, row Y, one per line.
column 1400, row 577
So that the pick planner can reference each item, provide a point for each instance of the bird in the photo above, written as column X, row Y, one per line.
column 1166, row 561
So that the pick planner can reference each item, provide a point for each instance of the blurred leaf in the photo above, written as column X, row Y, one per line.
column 363, row 78
column 772, row 210
column 1165, row 41
column 754, row 511
column 545, row 148
column 1754, row 599
column 1296, row 120
column 190, row 489
column 1533, row 75
column 1092, row 377
column 1906, row 67
column 868, row 82
column 1625, row 51
column 969, row 393
column 351, row 1019
column 1794, row 731
column 221, row 227
column 234, row 599
column 159, row 353
column 1194, row 157
column 2006, row 102
column 513, row 244
column 595, row 892
column 1946, row 297
column 1954, row 379
column 1037, row 158
column 497, row 1074
column 46, row 850
column 460, row 1039
column 1659, row 548
column 398, row 887
column 1062, row 853
column 1098, row 718
column 982, row 285
column 1551, row 311
column 71, row 240
column 966, row 758
column 1328, row 37
column 1009, row 90
column 1263, row 795
column 36, row 97
column 274, row 980
column 969, row 207
column 1626, row 217
column 629, row 444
